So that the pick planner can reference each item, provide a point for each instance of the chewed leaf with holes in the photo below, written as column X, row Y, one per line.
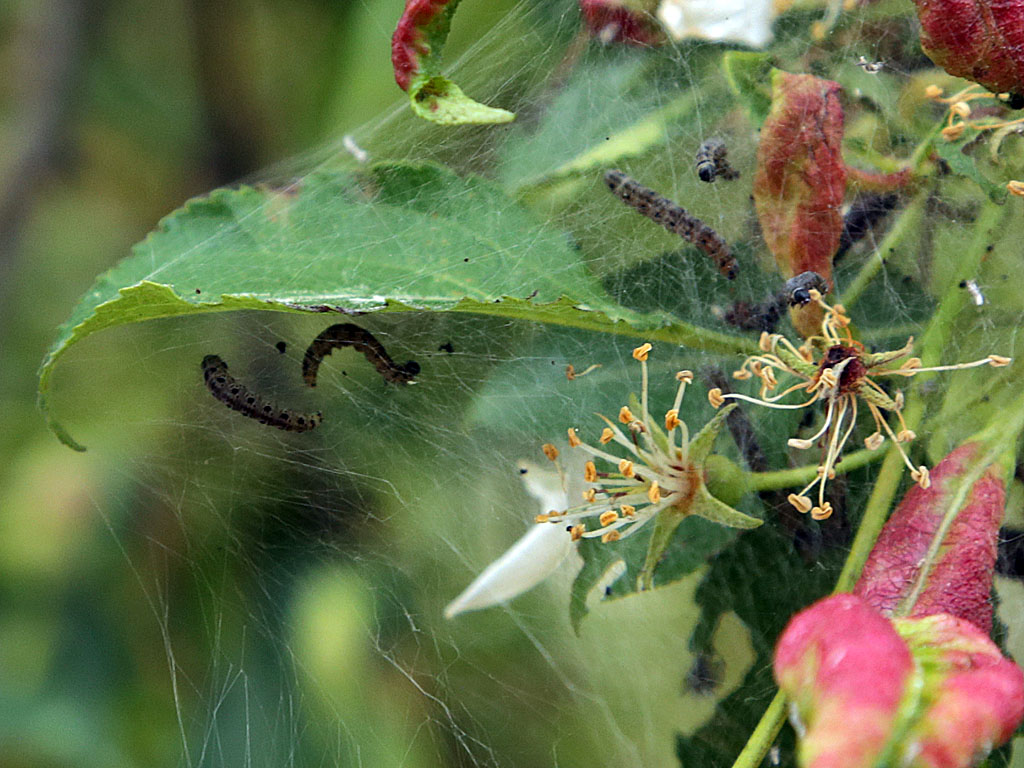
column 397, row 238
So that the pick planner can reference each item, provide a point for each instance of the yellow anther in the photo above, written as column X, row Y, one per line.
column 550, row 451
column 801, row 503
column 654, row 493
column 742, row 374
column 756, row 367
column 542, row 518
column 608, row 517
column 806, row 353
column 922, row 477
column 953, row 132
column 672, row 419
column 628, row 510
column 932, row 92
column 912, row 364
column 874, row 441
column 626, row 468
column 768, row 377
column 905, row 435
column 823, row 512
column 961, row 109
column 764, row 343
column 998, row 361
column 899, row 400
column 577, row 531
column 590, row 472
column 828, row 379
column 626, row 415
column 574, row 440
column 803, row 445
column 1015, row 187
column 715, row 398
column 641, row 352
column 589, row 495
column 607, row 435
column 686, row 376
column 611, row 536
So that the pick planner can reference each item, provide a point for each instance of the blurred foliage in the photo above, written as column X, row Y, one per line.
column 196, row 591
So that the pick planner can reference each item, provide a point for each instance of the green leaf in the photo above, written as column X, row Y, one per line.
column 441, row 101
column 694, row 541
column 395, row 238
column 749, row 74
column 964, row 163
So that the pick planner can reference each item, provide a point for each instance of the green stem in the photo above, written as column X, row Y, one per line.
column 934, row 340
column 764, row 734
column 788, row 478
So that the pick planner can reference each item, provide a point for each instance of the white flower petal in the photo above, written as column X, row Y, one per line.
column 527, row 563
column 742, row 21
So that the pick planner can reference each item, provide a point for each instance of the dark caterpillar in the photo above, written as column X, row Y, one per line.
column 711, row 162
column 674, row 218
column 351, row 335
column 797, row 290
column 237, row 397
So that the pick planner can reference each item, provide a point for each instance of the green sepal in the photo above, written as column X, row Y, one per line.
column 707, row 506
column 704, row 441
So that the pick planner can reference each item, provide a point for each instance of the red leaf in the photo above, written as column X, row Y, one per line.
column 801, row 179
column 622, row 21
column 845, row 668
column 411, row 43
column 981, row 40
column 959, row 581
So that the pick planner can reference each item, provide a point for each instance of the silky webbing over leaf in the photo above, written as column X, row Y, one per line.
column 416, row 56
column 353, row 243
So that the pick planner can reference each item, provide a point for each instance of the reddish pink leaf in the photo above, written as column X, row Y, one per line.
column 801, row 179
column 844, row 667
column 981, row 40
column 622, row 21
column 411, row 42
column 960, row 580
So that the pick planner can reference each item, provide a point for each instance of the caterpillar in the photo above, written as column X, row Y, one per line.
column 796, row 291
column 351, row 335
column 711, row 163
column 674, row 218
column 238, row 397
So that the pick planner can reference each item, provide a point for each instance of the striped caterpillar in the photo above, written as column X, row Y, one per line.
column 351, row 335
column 711, row 162
column 238, row 397
column 674, row 218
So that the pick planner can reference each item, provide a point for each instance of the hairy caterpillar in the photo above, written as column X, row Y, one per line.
column 238, row 397
column 711, row 163
column 672, row 217
column 351, row 335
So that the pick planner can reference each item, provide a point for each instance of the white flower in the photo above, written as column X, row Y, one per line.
column 742, row 21
column 534, row 557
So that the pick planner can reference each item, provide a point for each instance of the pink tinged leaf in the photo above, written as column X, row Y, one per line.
column 975, row 694
column 844, row 668
column 622, row 21
column 981, row 40
column 958, row 580
column 416, row 57
column 801, row 179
